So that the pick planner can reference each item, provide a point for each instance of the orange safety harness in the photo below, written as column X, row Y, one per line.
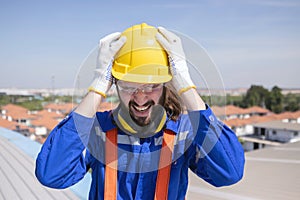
column 111, row 158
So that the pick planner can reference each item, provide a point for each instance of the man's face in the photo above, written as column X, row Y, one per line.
column 139, row 99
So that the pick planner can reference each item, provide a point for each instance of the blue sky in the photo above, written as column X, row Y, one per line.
column 43, row 43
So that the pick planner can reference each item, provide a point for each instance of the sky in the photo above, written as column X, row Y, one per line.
column 43, row 43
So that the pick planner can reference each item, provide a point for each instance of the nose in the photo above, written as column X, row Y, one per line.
column 140, row 97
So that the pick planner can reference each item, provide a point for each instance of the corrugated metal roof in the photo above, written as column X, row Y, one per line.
column 271, row 173
column 17, row 167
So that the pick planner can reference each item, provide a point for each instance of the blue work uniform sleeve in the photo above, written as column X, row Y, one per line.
column 216, row 154
column 61, row 161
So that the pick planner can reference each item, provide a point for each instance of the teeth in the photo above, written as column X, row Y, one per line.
column 141, row 108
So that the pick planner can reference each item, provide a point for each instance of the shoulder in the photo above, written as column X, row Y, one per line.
column 104, row 115
column 105, row 120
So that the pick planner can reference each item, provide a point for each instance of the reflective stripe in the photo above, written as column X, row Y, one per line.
column 100, row 133
column 131, row 140
column 181, row 136
column 126, row 139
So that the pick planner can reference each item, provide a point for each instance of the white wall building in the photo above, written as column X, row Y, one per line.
column 278, row 131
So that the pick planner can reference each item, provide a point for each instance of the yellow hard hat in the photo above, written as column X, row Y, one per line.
column 142, row 59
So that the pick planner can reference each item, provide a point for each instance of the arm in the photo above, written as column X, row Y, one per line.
column 61, row 162
column 181, row 79
column 108, row 47
column 216, row 154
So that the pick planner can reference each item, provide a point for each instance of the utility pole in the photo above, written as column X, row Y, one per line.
column 52, row 88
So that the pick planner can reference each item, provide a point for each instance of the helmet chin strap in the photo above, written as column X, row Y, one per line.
column 129, row 126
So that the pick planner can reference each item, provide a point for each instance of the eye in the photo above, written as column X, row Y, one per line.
column 156, row 86
column 148, row 88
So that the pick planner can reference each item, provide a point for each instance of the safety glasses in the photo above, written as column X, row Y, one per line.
column 132, row 88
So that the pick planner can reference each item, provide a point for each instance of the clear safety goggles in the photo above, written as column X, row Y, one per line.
column 133, row 88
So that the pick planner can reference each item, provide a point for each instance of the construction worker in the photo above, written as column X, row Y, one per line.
column 160, row 129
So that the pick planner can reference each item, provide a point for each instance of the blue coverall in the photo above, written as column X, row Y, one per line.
column 203, row 144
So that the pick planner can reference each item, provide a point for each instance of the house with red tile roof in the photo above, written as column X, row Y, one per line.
column 244, row 122
column 252, row 125
column 15, row 126
column 233, row 112
column 61, row 108
column 45, row 121
column 16, row 113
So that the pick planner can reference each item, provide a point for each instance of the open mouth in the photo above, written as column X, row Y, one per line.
column 141, row 110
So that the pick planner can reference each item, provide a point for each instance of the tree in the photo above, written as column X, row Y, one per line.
column 291, row 102
column 4, row 99
column 274, row 102
column 256, row 95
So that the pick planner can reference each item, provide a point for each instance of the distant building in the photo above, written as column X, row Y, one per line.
column 257, row 127
column 14, row 126
column 233, row 112
column 45, row 121
column 15, row 113
column 278, row 131
column 60, row 108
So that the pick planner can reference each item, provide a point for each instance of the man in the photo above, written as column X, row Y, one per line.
column 161, row 128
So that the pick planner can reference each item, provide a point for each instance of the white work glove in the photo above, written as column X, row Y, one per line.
column 172, row 44
column 108, row 47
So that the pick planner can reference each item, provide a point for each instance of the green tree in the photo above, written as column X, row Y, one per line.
column 4, row 99
column 32, row 105
column 256, row 95
column 234, row 100
column 274, row 102
column 291, row 102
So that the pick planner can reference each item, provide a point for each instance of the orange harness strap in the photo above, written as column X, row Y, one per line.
column 111, row 161
column 163, row 176
column 111, row 158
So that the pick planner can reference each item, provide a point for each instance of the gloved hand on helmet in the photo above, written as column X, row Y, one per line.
column 172, row 44
column 108, row 47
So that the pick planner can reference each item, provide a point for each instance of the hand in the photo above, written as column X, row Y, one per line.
column 108, row 47
column 172, row 44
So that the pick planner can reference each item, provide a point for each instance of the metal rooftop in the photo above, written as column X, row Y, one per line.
column 17, row 178
column 270, row 173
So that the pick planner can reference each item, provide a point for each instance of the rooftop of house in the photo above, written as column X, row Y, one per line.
column 16, row 112
column 63, row 107
column 260, row 119
column 8, row 124
column 289, row 115
column 47, row 119
column 46, row 113
column 11, row 125
column 47, row 122
column 234, row 110
column 279, row 125
column 256, row 109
